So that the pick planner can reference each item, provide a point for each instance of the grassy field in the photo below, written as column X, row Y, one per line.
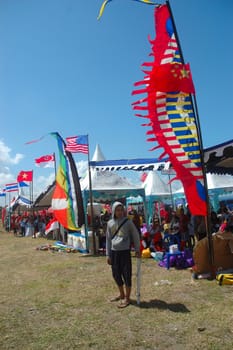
column 56, row 300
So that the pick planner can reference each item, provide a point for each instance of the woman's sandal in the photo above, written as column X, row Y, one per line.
column 124, row 303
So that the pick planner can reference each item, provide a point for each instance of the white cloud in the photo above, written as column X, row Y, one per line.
column 5, row 160
column 82, row 168
column 5, row 157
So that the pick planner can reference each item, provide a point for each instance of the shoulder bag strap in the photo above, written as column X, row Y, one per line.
column 123, row 222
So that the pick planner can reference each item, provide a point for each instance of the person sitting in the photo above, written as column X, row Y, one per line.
column 156, row 242
column 172, row 232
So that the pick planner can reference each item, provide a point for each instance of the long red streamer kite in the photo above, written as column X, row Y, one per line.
column 167, row 86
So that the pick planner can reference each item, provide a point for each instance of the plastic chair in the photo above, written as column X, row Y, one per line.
column 168, row 255
column 169, row 239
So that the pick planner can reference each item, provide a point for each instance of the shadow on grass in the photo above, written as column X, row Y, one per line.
column 162, row 305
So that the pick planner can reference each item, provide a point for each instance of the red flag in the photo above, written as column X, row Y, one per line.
column 45, row 161
column 53, row 224
column 172, row 77
column 25, row 176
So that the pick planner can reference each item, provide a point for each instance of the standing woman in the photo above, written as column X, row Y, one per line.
column 120, row 235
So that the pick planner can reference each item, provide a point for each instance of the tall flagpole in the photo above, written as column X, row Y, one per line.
column 55, row 165
column 195, row 109
column 32, row 188
column 91, row 200
column 31, row 195
column 9, row 212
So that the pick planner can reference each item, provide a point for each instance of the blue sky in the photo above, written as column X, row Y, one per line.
column 62, row 70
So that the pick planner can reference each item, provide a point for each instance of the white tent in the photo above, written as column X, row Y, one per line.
column 156, row 190
column 98, row 154
column 218, row 186
column 155, row 186
column 102, row 180
column 107, row 185
column 215, row 181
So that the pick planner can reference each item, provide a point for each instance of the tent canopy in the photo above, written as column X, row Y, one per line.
column 219, row 181
column 154, row 185
column 130, row 164
column 218, row 159
column 108, row 186
column 215, row 182
column 98, row 154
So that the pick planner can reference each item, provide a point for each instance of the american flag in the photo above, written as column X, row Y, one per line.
column 77, row 144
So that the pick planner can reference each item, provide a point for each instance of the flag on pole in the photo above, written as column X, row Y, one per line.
column 12, row 187
column 53, row 224
column 45, row 161
column 23, row 184
column 3, row 193
column 77, row 144
column 67, row 202
column 25, row 176
column 172, row 77
column 170, row 110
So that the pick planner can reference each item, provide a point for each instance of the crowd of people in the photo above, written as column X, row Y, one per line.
column 27, row 224
column 173, row 227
